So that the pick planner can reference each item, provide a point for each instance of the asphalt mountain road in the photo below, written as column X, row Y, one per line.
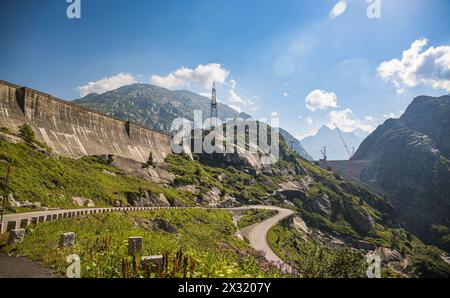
column 256, row 234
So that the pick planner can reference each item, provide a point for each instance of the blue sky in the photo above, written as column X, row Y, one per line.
column 267, row 56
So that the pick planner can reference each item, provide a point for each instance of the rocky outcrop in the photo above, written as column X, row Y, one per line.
column 322, row 205
column 10, row 138
column 156, row 224
column 295, row 144
column 211, row 198
column 393, row 259
column 293, row 189
column 154, row 106
column 300, row 226
column 147, row 199
column 411, row 164
column 157, row 173
column 359, row 218
column 83, row 202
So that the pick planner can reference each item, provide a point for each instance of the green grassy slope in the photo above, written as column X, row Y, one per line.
column 205, row 237
column 37, row 176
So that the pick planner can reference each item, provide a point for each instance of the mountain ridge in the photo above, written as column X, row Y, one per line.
column 410, row 164
column 156, row 107
column 327, row 137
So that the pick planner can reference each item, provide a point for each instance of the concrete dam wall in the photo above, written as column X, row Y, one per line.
column 75, row 131
column 341, row 167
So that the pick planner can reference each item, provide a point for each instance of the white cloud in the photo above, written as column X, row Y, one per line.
column 347, row 121
column 309, row 120
column 309, row 133
column 236, row 108
column 234, row 97
column 338, row 9
column 285, row 94
column 201, row 78
column 418, row 67
column 203, row 75
column 393, row 115
column 238, row 101
column 321, row 100
column 107, row 84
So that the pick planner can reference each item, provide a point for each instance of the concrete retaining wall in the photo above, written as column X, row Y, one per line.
column 75, row 131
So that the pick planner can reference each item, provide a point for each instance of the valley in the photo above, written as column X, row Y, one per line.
column 193, row 210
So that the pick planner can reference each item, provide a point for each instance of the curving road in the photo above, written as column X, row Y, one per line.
column 256, row 234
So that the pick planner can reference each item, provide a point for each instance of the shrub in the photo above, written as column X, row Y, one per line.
column 26, row 132
column 5, row 130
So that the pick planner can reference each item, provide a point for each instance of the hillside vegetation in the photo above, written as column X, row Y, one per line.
column 196, row 243
column 344, row 221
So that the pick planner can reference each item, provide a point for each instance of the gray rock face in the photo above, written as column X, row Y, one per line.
column 300, row 225
column 228, row 202
column 393, row 259
column 290, row 194
column 16, row 236
column 295, row 144
column 135, row 245
column 83, row 202
column 322, row 205
column 153, row 106
column 67, row 240
column 147, row 199
column 156, row 224
column 12, row 202
column 212, row 198
column 364, row 245
column 79, row 201
column 156, row 173
column 190, row 188
column 410, row 162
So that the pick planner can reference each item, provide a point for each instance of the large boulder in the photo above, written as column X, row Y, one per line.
column 82, row 201
column 229, row 202
column 322, row 205
column 360, row 218
column 147, row 199
column 300, row 225
column 393, row 259
column 12, row 202
column 290, row 194
column 212, row 198
column 79, row 201
column 16, row 236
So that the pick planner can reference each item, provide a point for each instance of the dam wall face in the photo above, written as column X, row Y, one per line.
column 341, row 167
column 75, row 131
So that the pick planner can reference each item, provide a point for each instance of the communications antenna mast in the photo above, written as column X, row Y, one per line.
column 213, row 105
column 350, row 154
